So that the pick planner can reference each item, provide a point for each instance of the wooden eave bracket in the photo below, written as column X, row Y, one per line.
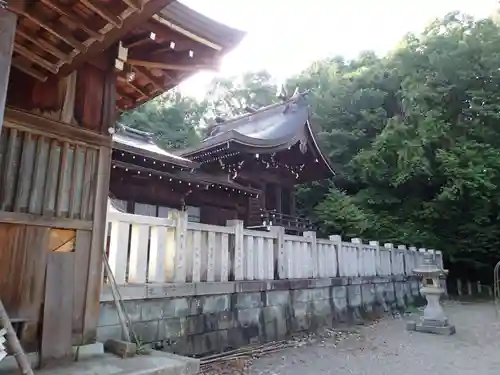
column 167, row 66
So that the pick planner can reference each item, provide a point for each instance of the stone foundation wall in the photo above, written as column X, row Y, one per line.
column 197, row 319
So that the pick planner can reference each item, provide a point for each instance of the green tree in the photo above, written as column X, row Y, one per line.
column 173, row 119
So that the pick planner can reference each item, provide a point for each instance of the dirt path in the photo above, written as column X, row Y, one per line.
column 387, row 348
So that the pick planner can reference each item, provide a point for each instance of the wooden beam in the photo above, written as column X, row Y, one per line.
column 136, row 40
column 129, row 23
column 35, row 58
column 135, row 4
column 25, row 68
column 162, row 65
column 7, row 33
column 42, row 43
column 42, row 221
column 102, row 11
column 167, row 34
column 154, row 80
column 187, row 33
column 134, row 86
column 59, row 31
column 70, row 14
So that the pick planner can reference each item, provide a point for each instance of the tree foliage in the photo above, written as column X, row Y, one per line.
column 414, row 137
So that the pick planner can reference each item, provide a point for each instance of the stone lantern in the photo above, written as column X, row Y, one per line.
column 434, row 319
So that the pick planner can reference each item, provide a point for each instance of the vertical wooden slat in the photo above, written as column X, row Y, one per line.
column 211, row 257
column 4, row 136
column 49, row 198
column 138, row 253
column 249, row 261
column 87, row 184
column 157, row 254
column 224, row 263
column 40, row 174
column 58, row 309
column 196, row 256
column 25, row 173
column 8, row 21
column 82, row 253
column 75, row 193
column 307, row 256
column 93, row 185
column 94, row 281
column 10, row 172
column 62, row 197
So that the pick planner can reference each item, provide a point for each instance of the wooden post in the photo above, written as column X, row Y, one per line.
column 314, row 254
column 279, row 252
column 378, row 261
column 337, row 240
column 237, row 251
column 7, row 31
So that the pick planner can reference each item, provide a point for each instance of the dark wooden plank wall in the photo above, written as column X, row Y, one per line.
column 43, row 175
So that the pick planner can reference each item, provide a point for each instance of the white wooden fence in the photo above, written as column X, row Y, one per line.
column 145, row 249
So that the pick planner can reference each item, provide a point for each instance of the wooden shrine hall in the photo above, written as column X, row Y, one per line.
column 67, row 67
column 246, row 169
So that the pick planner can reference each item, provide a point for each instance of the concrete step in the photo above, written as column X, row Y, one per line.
column 154, row 363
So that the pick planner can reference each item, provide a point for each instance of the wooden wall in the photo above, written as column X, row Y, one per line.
column 55, row 158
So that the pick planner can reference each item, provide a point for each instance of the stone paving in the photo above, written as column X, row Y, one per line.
column 386, row 348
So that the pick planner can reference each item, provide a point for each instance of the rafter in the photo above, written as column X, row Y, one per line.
column 163, row 65
column 42, row 43
column 102, row 11
column 25, row 68
column 135, row 4
column 139, row 90
column 70, row 14
column 35, row 58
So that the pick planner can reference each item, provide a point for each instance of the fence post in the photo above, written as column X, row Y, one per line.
column 180, row 239
column 377, row 260
column 279, row 253
column 401, row 259
column 311, row 236
column 389, row 246
column 337, row 240
column 413, row 264
column 237, row 251
column 359, row 257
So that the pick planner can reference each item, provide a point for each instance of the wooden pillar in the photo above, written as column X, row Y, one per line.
column 7, row 31
column 279, row 203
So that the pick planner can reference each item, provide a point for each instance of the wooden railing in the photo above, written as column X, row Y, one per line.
column 143, row 249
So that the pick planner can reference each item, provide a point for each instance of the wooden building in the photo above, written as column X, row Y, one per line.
column 250, row 166
column 66, row 68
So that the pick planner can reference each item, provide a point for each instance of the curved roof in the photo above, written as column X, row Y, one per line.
column 141, row 143
column 270, row 129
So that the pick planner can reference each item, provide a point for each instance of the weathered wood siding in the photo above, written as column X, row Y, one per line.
column 46, row 176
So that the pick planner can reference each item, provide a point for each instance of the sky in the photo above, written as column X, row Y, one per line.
column 286, row 36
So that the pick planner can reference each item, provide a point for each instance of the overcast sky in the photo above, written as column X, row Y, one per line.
column 285, row 36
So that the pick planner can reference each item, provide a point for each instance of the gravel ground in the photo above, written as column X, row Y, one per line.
column 387, row 348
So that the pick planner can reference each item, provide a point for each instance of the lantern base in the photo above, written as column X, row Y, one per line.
column 431, row 327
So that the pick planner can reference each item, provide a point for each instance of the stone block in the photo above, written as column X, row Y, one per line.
column 226, row 320
column 320, row 293
column 322, row 307
column 133, row 310
column 248, row 300
column 278, row 298
column 122, row 349
column 445, row 330
column 368, row 294
column 108, row 315
column 248, row 317
column 195, row 325
column 105, row 333
column 205, row 343
column 302, row 315
column 146, row 332
column 171, row 328
column 303, row 295
column 212, row 288
column 152, row 309
column 354, row 295
column 176, row 307
column 215, row 304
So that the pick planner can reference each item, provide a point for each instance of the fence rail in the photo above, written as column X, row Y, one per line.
column 143, row 249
